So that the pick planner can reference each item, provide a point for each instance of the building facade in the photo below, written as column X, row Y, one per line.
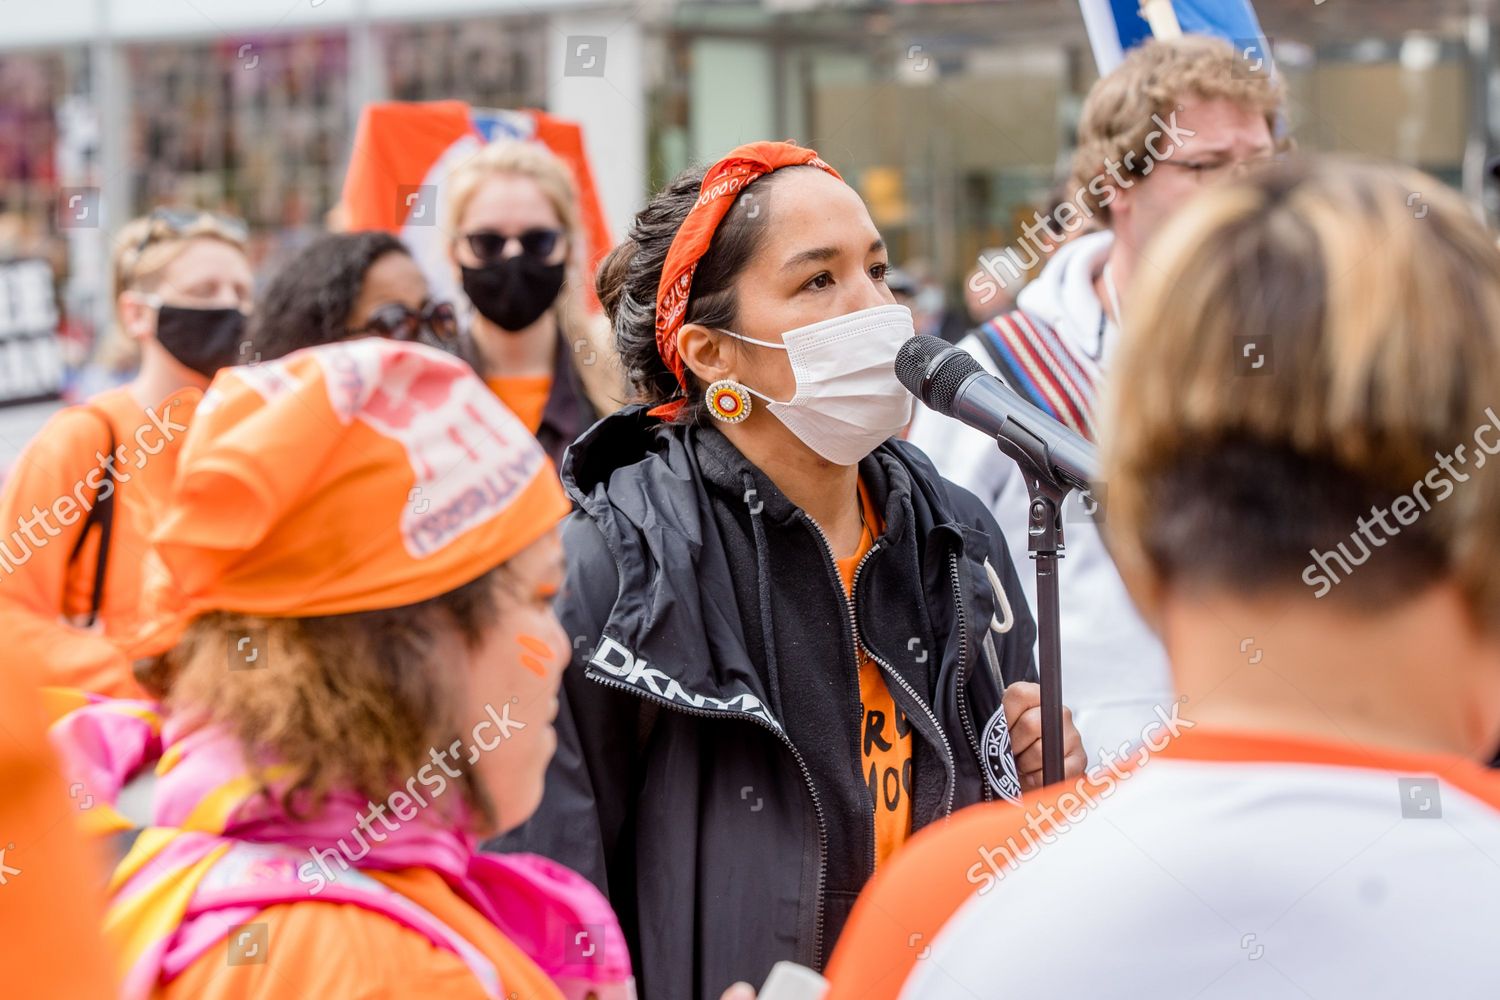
column 953, row 120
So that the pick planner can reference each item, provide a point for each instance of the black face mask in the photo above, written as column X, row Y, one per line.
column 513, row 292
column 204, row 340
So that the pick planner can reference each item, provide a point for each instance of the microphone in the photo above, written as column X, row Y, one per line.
column 948, row 380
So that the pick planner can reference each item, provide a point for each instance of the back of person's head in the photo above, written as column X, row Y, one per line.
column 347, row 701
column 311, row 298
column 1128, row 104
column 1308, row 348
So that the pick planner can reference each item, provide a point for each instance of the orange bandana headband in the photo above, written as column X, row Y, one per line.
column 722, row 184
column 354, row 476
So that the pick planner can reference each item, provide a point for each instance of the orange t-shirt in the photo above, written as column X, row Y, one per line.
column 59, row 477
column 885, row 735
column 524, row 395
column 318, row 949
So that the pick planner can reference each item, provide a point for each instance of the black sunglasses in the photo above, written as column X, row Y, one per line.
column 396, row 322
column 489, row 245
column 174, row 223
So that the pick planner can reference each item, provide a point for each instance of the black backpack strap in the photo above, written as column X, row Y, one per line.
column 102, row 514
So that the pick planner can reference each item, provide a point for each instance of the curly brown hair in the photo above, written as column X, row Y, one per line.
column 354, row 701
column 1153, row 80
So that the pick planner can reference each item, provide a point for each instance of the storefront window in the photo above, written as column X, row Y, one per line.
column 256, row 128
column 48, row 143
column 956, row 121
column 490, row 63
column 944, row 124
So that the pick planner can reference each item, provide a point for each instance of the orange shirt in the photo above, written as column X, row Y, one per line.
column 318, row 949
column 524, row 395
column 43, row 506
column 885, row 735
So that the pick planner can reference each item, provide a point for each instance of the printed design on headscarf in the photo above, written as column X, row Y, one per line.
column 269, row 380
column 722, row 183
column 469, row 455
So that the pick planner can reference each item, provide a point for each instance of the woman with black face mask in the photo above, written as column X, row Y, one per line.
column 517, row 247
column 80, row 502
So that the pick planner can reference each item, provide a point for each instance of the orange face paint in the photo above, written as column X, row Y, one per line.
column 535, row 654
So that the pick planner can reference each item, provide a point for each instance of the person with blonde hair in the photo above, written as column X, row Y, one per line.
column 78, row 505
column 517, row 242
column 1303, row 507
column 1170, row 121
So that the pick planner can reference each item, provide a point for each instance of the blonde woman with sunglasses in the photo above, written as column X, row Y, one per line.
column 517, row 247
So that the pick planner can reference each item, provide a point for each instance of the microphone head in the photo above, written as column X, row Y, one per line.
column 913, row 360
column 934, row 370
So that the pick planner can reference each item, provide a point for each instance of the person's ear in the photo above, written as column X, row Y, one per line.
column 706, row 354
column 1121, row 209
column 137, row 316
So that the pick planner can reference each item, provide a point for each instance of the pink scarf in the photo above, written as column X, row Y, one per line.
column 218, row 852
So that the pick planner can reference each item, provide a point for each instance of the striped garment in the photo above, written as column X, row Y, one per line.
column 1038, row 363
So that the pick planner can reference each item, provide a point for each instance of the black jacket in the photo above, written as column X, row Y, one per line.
column 568, row 412
column 708, row 774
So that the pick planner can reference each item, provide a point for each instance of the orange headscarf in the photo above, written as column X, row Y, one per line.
column 722, row 184
column 354, row 476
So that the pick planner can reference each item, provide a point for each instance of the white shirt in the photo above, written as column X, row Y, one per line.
column 1244, row 880
column 1114, row 669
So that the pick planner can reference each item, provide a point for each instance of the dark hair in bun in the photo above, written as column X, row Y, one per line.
column 628, row 279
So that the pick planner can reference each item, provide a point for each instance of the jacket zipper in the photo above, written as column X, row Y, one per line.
column 961, row 675
column 801, row 765
column 890, row 673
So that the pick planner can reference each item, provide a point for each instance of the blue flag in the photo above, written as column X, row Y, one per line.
column 1116, row 26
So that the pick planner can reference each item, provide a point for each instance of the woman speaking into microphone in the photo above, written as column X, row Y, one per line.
column 794, row 643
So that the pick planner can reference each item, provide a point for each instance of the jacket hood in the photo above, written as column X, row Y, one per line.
column 653, row 473
column 674, row 628
column 1063, row 296
column 650, row 490
column 620, row 440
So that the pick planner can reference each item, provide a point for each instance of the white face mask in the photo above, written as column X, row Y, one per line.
column 848, row 400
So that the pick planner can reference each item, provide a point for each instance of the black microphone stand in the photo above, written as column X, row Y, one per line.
column 1045, row 530
column 1054, row 460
